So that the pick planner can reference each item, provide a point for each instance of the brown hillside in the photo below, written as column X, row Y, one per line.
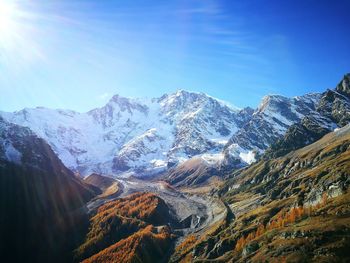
column 119, row 219
column 99, row 181
column 147, row 245
column 143, row 206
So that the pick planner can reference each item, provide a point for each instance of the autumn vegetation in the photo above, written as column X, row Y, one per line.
column 282, row 219
column 186, row 244
column 147, row 245
column 143, row 206
column 120, row 219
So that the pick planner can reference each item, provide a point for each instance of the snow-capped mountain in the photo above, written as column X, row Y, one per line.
column 22, row 152
column 128, row 135
column 279, row 125
column 268, row 123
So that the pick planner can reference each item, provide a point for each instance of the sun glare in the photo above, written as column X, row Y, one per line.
column 7, row 18
column 17, row 33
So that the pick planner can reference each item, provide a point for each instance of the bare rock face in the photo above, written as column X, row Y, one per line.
column 344, row 86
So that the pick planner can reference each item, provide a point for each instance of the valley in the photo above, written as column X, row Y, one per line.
column 193, row 213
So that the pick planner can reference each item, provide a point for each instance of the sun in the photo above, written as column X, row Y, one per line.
column 7, row 18
column 20, row 33
column 13, row 36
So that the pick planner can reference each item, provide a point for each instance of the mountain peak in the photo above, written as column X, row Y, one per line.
column 187, row 93
column 344, row 86
column 187, row 97
column 124, row 100
column 182, row 92
column 272, row 101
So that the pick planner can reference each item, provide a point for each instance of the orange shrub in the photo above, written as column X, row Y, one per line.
column 187, row 243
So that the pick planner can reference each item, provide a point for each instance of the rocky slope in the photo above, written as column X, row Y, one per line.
column 40, row 199
column 133, row 135
column 202, row 170
column 195, row 171
column 293, row 208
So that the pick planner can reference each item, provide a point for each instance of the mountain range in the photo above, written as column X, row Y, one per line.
column 134, row 135
column 148, row 136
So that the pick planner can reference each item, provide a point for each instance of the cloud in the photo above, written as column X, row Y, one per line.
column 103, row 96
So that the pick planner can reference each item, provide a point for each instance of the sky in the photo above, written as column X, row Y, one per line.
column 76, row 54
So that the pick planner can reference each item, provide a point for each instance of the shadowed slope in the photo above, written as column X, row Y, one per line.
column 41, row 201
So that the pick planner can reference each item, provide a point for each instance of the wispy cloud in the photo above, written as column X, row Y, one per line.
column 104, row 96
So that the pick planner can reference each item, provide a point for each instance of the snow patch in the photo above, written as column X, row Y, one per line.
column 12, row 154
column 213, row 159
column 158, row 163
column 237, row 151
column 248, row 157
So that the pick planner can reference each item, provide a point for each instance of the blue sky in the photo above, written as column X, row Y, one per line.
column 76, row 54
